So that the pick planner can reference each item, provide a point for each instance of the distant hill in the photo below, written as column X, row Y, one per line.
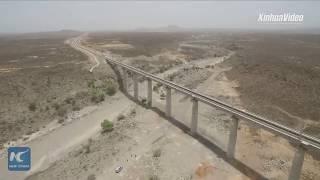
column 169, row 28
column 44, row 35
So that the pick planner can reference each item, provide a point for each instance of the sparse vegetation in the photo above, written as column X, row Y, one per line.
column 91, row 177
column 97, row 96
column 76, row 108
column 56, row 106
column 106, row 126
column 90, row 84
column 32, row 106
column 98, row 90
column 111, row 90
column 61, row 120
column 46, row 93
column 154, row 177
column 144, row 43
column 62, row 111
column 121, row 117
column 144, row 101
column 87, row 147
column 133, row 112
column 156, row 153
column 70, row 100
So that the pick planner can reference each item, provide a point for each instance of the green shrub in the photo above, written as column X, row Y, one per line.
column 106, row 126
column 97, row 96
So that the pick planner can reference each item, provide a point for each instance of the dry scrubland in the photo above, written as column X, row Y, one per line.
column 279, row 77
column 275, row 75
column 43, row 79
column 278, row 74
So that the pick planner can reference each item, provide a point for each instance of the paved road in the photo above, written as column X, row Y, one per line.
column 48, row 148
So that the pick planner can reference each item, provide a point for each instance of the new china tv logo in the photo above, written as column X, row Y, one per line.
column 19, row 158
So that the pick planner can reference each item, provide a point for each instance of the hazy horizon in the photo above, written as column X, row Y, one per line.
column 36, row 16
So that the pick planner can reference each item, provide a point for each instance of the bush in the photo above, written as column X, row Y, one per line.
column 75, row 108
column 90, row 84
column 154, row 177
column 32, row 106
column 157, row 153
column 56, row 106
column 106, row 126
column 87, row 147
column 133, row 112
column 62, row 111
column 61, row 120
column 91, row 177
column 70, row 100
column 144, row 101
column 97, row 96
column 111, row 90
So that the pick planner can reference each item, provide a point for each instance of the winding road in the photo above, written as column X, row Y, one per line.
column 92, row 54
column 50, row 147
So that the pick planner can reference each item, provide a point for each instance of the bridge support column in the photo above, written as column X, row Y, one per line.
column 168, row 102
column 149, row 92
column 135, row 86
column 233, row 137
column 297, row 163
column 125, row 79
column 194, row 120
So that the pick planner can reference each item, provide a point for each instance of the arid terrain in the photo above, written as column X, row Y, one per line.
column 279, row 77
column 278, row 74
column 42, row 79
column 273, row 75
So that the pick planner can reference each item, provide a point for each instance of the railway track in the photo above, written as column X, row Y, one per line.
column 303, row 141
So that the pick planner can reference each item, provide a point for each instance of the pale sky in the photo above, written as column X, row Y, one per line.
column 35, row 16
